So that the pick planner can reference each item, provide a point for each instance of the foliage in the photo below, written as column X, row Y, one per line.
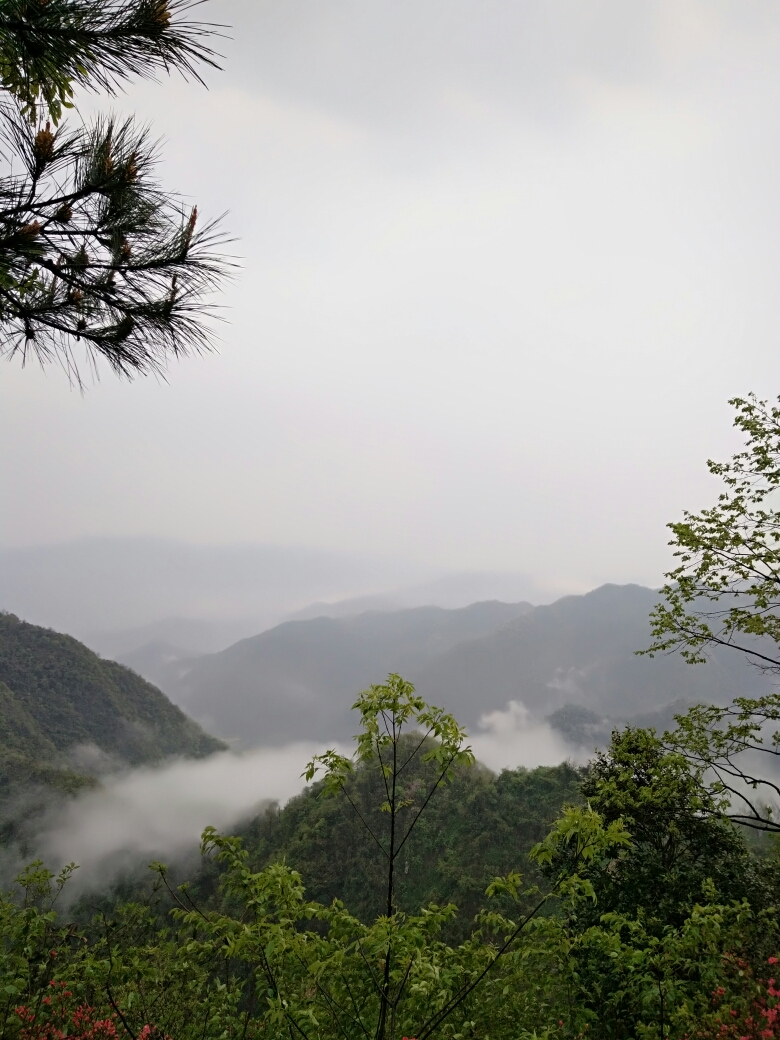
column 476, row 827
column 724, row 592
column 320, row 969
column 48, row 48
column 748, row 1009
column 671, row 911
column 131, row 978
column 92, row 249
column 627, row 978
column 680, row 839
column 736, row 748
column 653, row 919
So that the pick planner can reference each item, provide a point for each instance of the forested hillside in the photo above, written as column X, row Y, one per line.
column 67, row 715
column 478, row 827
column 617, row 902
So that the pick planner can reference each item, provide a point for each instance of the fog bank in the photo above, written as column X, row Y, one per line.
column 513, row 737
column 159, row 813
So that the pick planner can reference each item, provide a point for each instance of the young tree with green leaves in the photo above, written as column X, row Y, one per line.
column 670, row 938
column 680, row 838
column 95, row 256
column 308, row 970
column 725, row 590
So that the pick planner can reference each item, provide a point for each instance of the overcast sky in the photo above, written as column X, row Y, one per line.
column 503, row 264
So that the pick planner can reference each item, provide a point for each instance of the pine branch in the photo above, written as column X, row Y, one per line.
column 48, row 47
column 94, row 252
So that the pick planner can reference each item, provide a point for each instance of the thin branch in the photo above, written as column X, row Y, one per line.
column 359, row 1018
column 402, row 984
column 118, row 1010
column 377, row 986
column 409, row 759
column 734, row 646
column 422, row 807
column 379, row 843
column 436, row 1020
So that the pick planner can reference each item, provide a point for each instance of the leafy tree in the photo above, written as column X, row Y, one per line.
column 92, row 249
column 476, row 827
column 632, row 979
column 132, row 978
column 655, row 951
column 680, row 839
column 725, row 592
column 736, row 750
column 315, row 970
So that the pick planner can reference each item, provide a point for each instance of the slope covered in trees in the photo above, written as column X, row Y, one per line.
column 67, row 714
column 479, row 826
column 641, row 914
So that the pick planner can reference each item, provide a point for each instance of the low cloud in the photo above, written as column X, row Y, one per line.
column 512, row 738
column 152, row 813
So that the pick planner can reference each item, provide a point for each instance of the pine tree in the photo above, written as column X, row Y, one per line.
column 97, row 260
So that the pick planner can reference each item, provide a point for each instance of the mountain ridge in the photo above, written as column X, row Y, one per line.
column 297, row 680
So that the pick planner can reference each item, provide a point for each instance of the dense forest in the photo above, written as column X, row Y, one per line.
column 477, row 827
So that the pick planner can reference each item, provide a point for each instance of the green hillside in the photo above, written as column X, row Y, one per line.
column 477, row 827
column 65, row 713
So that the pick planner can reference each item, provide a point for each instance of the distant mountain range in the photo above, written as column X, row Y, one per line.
column 297, row 681
column 67, row 713
column 117, row 594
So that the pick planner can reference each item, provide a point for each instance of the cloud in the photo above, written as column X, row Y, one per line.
column 512, row 738
column 569, row 680
column 159, row 813
column 498, row 260
column 424, row 66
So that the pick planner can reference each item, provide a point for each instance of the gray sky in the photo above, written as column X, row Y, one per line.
column 504, row 263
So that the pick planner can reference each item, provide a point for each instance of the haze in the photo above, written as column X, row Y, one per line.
column 502, row 265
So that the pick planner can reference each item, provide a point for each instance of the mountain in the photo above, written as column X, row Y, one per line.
column 64, row 708
column 452, row 591
column 297, row 681
column 581, row 650
column 118, row 593
column 474, row 829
